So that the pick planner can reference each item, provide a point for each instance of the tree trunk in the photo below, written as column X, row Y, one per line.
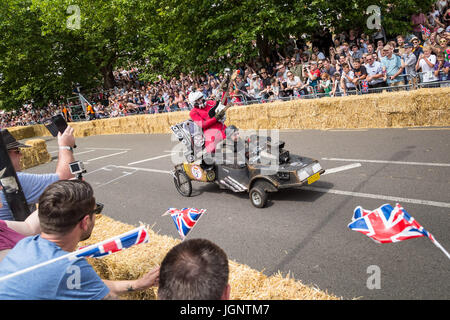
column 108, row 76
column 263, row 46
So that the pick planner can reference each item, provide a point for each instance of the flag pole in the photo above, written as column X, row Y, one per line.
column 437, row 244
column 70, row 255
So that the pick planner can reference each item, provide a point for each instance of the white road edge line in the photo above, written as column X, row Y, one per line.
column 378, row 196
column 109, row 149
column 115, row 179
column 333, row 191
column 141, row 169
column 392, row 162
column 342, row 168
column 150, row 159
column 75, row 154
column 108, row 155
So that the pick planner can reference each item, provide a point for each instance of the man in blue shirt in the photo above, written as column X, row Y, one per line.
column 67, row 212
column 34, row 184
column 392, row 66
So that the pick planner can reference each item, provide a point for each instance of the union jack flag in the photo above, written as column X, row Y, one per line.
column 387, row 224
column 364, row 86
column 123, row 241
column 185, row 219
column 425, row 30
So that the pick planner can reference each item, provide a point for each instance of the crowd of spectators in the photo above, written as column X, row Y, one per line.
column 347, row 63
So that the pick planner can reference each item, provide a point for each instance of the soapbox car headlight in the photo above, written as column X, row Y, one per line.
column 302, row 174
column 316, row 167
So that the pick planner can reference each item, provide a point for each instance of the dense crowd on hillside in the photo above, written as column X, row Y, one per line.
column 346, row 63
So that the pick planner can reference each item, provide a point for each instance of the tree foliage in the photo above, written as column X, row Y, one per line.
column 42, row 56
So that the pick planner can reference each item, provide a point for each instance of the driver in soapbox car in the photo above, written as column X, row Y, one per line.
column 257, row 165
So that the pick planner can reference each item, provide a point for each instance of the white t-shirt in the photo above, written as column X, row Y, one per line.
column 292, row 83
column 427, row 71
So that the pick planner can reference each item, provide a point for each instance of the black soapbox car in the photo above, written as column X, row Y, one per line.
column 268, row 167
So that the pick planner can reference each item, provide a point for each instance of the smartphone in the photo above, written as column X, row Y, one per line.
column 60, row 122
column 56, row 124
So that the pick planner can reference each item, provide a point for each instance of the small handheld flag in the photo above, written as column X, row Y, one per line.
column 123, row 241
column 185, row 219
column 425, row 30
column 114, row 244
column 387, row 224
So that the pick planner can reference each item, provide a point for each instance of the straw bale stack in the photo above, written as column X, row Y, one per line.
column 22, row 132
column 424, row 107
column 35, row 155
column 246, row 283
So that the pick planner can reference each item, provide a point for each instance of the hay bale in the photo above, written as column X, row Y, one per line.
column 246, row 283
column 22, row 132
column 35, row 155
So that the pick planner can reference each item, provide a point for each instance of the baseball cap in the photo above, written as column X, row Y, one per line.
column 10, row 141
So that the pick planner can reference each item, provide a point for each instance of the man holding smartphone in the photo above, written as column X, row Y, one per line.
column 34, row 184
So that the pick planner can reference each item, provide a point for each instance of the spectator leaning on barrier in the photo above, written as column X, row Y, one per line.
column 409, row 63
column 313, row 73
column 425, row 65
column 255, row 86
column 336, row 84
column 196, row 269
column 347, row 79
column 34, row 184
column 67, row 212
column 441, row 68
column 359, row 71
column 392, row 66
column 293, row 84
column 328, row 68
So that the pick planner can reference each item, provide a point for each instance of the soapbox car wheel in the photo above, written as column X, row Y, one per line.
column 182, row 183
column 258, row 196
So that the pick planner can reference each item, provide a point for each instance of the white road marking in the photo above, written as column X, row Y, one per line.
column 342, row 168
column 115, row 179
column 392, row 162
column 347, row 130
column 150, row 159
column 378, row 196
column 75, row 154
column 427, row 129
column 110, row 149
column 102, row 168
column 102, row 157
column 142, row 169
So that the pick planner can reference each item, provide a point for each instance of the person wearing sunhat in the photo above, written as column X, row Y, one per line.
column 34, row 184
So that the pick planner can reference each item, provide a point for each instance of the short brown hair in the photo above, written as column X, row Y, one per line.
column 195, row 269
column 63, row 204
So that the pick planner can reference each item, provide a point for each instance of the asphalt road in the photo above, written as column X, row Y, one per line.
column 303, row 232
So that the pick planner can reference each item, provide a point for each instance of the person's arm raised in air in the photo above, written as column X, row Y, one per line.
column 66, row 142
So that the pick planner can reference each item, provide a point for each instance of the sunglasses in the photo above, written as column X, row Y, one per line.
column 16, row 151
column 98, row 208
